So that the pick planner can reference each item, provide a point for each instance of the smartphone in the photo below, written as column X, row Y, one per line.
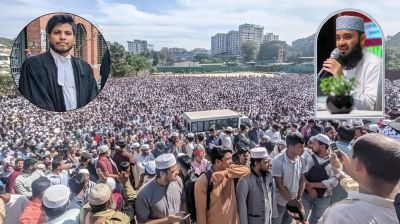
column 333, row 146
column 296, row 208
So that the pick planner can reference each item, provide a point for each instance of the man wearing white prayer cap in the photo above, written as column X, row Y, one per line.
column 161, row 198
column 320, row 178
column 141, row 160
column 56, row 205
column 355, row 61
column 254, row 191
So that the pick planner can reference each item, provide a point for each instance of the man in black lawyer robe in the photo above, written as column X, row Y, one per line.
column 55, row 80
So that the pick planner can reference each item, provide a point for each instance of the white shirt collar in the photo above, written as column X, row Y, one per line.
column 59, row 57
column 371, row 199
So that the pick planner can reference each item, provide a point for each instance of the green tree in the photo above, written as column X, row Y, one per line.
column 156, row 59
column 125, row 64
column 119, row 66
column 269, row 50
column 201, row 56
column 249, row 50
column 137, row 63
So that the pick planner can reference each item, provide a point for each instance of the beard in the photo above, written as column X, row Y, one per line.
column 264, row 173
column 60, row 51
column 351, row 60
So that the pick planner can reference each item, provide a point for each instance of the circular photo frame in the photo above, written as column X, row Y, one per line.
column 60, row 62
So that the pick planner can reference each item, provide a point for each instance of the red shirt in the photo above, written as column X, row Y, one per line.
column 33, row 214
column 105, row 165
column 117, row 201
column 11, row 180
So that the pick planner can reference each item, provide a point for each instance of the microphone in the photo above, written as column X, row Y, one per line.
column 334, row 55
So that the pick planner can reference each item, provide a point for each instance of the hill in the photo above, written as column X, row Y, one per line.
column 7, row 42
column 304, row 46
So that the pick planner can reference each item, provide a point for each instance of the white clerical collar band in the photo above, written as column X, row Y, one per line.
column 59, row 56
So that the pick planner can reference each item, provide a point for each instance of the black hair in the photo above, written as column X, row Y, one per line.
column 295, row 125
column 28, row 163
column 328, row 129
column 359, row 34
column 190, row 139
column 243, row 127
column 253, row 161
column 60, row 19
column 242, row 151
column 294, row 138
column 311, row 121
column 380, row 155
column 18, row 160
column 56, row 162
column 158, row 171
column 200, row 137
column 77, row 183
column 316, row 130
column 184, row 161
column 40, row 185
column 321, row 143
column 98, row 208
column 275, row 126
column 345, row 134
column 218, row 152
column 52, row 213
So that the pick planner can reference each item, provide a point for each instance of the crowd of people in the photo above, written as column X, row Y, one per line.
column 126, row 158
column 392, row 93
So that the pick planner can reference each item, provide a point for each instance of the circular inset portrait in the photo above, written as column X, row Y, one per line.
column 350, row 67
column 60, row 62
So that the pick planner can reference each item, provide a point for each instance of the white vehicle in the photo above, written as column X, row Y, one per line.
column 202, row 121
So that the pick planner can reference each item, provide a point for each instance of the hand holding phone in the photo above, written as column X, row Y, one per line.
column 296, row 210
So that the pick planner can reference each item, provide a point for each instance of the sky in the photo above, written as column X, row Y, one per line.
column 191, row 23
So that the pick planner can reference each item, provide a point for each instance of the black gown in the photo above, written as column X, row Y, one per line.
column 38, row 82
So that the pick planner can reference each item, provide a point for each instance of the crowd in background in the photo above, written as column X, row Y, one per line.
column 126, row 157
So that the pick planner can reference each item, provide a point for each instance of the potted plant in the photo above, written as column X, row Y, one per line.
column 338, row 90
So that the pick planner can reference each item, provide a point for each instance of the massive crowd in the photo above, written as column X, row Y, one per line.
column 118, row 159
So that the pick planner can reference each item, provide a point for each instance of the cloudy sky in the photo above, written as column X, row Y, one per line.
column 191, row 23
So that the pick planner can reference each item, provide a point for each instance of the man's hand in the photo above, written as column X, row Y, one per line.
column 174, row 218
column 332, row 66
column 102, row 177
column 217, row 177
column 312, row 193
column 345, row 160
column 335, row 163
column 124, row 177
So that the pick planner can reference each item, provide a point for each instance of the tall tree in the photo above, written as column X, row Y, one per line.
column 119, row 66
column 249, row 50
column 269, row 50
column 138, row 62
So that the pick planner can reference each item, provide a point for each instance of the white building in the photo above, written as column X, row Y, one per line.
column 250, row 32
column 270, row 37
column 137, row 46
column 219, row 44
column 233, row 43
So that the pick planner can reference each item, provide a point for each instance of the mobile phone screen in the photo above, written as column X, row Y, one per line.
column 333, row 146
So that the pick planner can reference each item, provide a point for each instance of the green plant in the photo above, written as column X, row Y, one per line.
column 340, row 86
